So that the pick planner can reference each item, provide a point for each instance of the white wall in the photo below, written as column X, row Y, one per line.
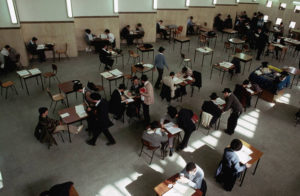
column 136, row 6
column 5, row 20
column 223, row 2
column 42, row 10
column 93, row 7
column 171, row 4
column 201, row 3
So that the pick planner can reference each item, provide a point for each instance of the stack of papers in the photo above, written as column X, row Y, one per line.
column 258, row 72
column 180, row 190
column 40, row 47
column 177, row 80
column 171, row 129
column 34, row 71
column 204, row 49
column 116, row 72
column 23, row 73
column 189, row 78
column 80, row 111
column 64, row 115
column 226, row 64
column 148, row 65
column 244, row 154
column 219, row 101
column 128, row 100
column 106, row 74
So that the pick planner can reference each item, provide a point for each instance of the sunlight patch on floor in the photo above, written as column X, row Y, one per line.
column 285, row 98
column 210, row 140
column 157, row 168
column 109, row 190
column 247, row 123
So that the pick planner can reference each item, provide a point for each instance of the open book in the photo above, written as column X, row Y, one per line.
column 180, row 190
column 171, row 129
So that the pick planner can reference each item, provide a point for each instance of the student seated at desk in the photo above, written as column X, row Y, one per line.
column 10, row 59
column 230, row 167
column 105, row 57
column 190, row 26
column 168, row 81
column 116, row 107
column 218, row 22
column 89, row 39
column 212, row 108
column 228, row 22
column 107, row 35
column 161, row 29
column 193, row 176
column 140, row 31
column 32, row 49
column 133, row 108
column 243, row 95
column 157, row 136
column 126, row 34
column 184, row 73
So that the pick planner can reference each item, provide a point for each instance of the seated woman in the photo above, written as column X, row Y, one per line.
column 158, row 137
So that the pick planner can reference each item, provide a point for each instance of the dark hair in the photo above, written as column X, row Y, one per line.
column 213, row 96
column 87, row 31
column 161, row 49
column 95, row 96
column 127, row 26
column 228, row 16
column 154, row 125
column 161, row 21
column 191, row 17
column 284, row 73
column 219, row 14
column 122, row 86
column 92, row 86
column 184, row 69
column 6, row 46
column 172, row 73
column 139, row 24
column 236, row 145
column 34, row 39
column 134, row 78
column 144, row 78
column 172, row 111
column 190, row 166
column 246, row 82
column 264, row 64
column 42, row 110
column 45, row 193
column 106, row 31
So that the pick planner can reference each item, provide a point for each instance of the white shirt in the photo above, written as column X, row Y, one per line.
column 4, row 52
column 109, row 36
column 90, row 36
column 98, row 102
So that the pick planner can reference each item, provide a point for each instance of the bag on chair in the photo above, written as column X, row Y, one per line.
column 76, row 85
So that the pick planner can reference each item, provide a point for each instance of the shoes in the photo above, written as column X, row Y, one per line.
column 229, row 133
column 110, row 143
column 171, row 152
column 90, row 143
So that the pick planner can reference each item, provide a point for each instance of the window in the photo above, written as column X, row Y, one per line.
column 12, row 11
column 282, row 6
column 278, row 21
column 269, row 3
column 116, row 6
column 187, row 3
column 155, row 4
column 215, row 2
column 297, row 9
column 266, row 17
column 69, row 8
column 292, row 25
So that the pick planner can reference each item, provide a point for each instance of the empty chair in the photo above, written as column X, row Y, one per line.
column 202, row 40
column 198, row 81
column 6, row 85
column 153, row 149
column 185, row 61
column 134, row 56
column 178, row 31
column 227, row 46
column 246, row 48
column 52, row 74
column 63, row 51
column 56, row 98
column 270, row 49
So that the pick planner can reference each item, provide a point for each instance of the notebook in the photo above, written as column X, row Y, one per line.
column 171, row 129
column 180, row 190
column 106, row 74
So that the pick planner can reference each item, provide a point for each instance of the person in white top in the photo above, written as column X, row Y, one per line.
column 107, row 35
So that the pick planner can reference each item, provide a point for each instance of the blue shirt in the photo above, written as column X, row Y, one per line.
column 160, row 61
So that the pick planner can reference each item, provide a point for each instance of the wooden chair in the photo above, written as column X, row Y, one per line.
column 271, row 49
column 134, row 56
column 150, row 148
column 238, row 50
column 56, row 98
column 246, row 48
column 185, row 61
column 129, row 77
column 63, row 51
column 178, row 31
column 52, row 74
column 227, row 46
column 6, row 85
column 202, row 40
column 217, row 124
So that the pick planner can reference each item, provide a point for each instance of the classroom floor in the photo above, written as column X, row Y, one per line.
column 29, row 168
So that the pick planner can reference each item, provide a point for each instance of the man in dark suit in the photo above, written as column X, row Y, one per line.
column 211, row 108
column 261, row 42
column 232, row 103
column 185, row 122
column 116, row 107
column 32, row 49
column 242, row 94
column 105, row 57
column 99, row 120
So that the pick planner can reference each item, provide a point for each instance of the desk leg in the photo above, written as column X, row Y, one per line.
column 180, row 46
column 152, row 74
column 292, row 81
column 26, row 86
column 123, row 61
column 244, row 68
column 189, row 46
column 211, row 72
column 212, row 55
column 21, row 82
column 243, row 177
column 202, row 60
column 195, row 56
column 67, row 100
column 42, row 82
column 153, row 55
column 215, row 42
column 109, row 87
column 257, row 100
column 69, row 134
column 250, row 65
column 53, row 54
column 223, row 77
column 255, row 167
column 142, row 56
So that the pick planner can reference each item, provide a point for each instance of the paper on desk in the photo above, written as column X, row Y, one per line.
column 177, row 80
column 34, row 71
column 106, row 74
column 40, row 47
column 116, row 72
column 148, row 65
column 180, row 190
column 80, row 111
column 171, row 129
column 64, row 115
column 204, row 50
column 113, row 53
column 23, row 73
column 258, row 72
column 243, row 154
column 128, row 100
column 189, row 78
column 226, row 64
column 220, row 101
column 250, row 91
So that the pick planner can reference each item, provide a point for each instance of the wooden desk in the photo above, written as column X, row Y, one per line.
column 143, row 70
column 294, row 71
column 236, row 41
column 30, row 73
column 67, row 88
column 45, row 49
column 205, row 51
column 110, row 79
column 72, row 118
column 204, row 29
column 171, row 28
column 244, row 58
column 228, row 32
column 221, row 69
column 142, row 49
column 181, row 40
column 208, row 37
column 256, row 155
column 162, row 188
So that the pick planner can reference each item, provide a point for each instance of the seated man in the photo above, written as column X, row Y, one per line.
column 212, row 108
column 135, row 91
column 160, row 28
column 125, row 33
column 89, row 38
column 32, row 49
column 116, row 106
column 8, row 63
column 184, row 73
column 107, row 35
column 168, row 81
column 105, row 57
column 193, row 176
column 158, row 136
column 242, row 94
column 190, row 26
column 140, row 31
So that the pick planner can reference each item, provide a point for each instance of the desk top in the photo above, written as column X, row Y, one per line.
column 162, row 188
column 143, row 49
column 73, row 116
column 292, row 41
column 222, row 67
column 144, row 69
column 236, row 41
column 66, row 87
column 231, row 31
column 112, row 75
column 243, row 57
column 182, row 39
column 27, row 73
column 204, row 29
column 204, row 49
column 256, row 153
column 292, row 70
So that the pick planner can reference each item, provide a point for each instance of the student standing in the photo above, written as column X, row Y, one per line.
column 160, row 63
column 261, row 42
column 147, row 96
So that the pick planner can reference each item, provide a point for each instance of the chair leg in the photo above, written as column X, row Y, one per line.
column 61, row 137
column 152, row 157
column 51, row 103
column 6, row 93
column 49, row 82
column 15, row 89
column 54, row 106
column 141, row 150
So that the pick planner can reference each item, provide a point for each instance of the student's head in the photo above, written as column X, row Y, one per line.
column 135, row 80
column 95, row 97
column 213, row 96
column 7, row 47
column 246, row 83
column 161, row 21
column 190, row 168
column 122, row 87
column 91, row 86
column 161, row 49
column 259, row 30
column 264, row 64
column 281, row 24
column 144, row 78
column 172, row 111
column 254, row 14
column 34, row 39
column 88, row 31
column 172, row 74
column 219, row 15
column 184, row 70
column 191, row 17
column 43, row 111
column 228, row 16
column 128, row 26
column 106, row 31
column 154, row 125
column 236, row 145
column 226, row 92
column 139, row 25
